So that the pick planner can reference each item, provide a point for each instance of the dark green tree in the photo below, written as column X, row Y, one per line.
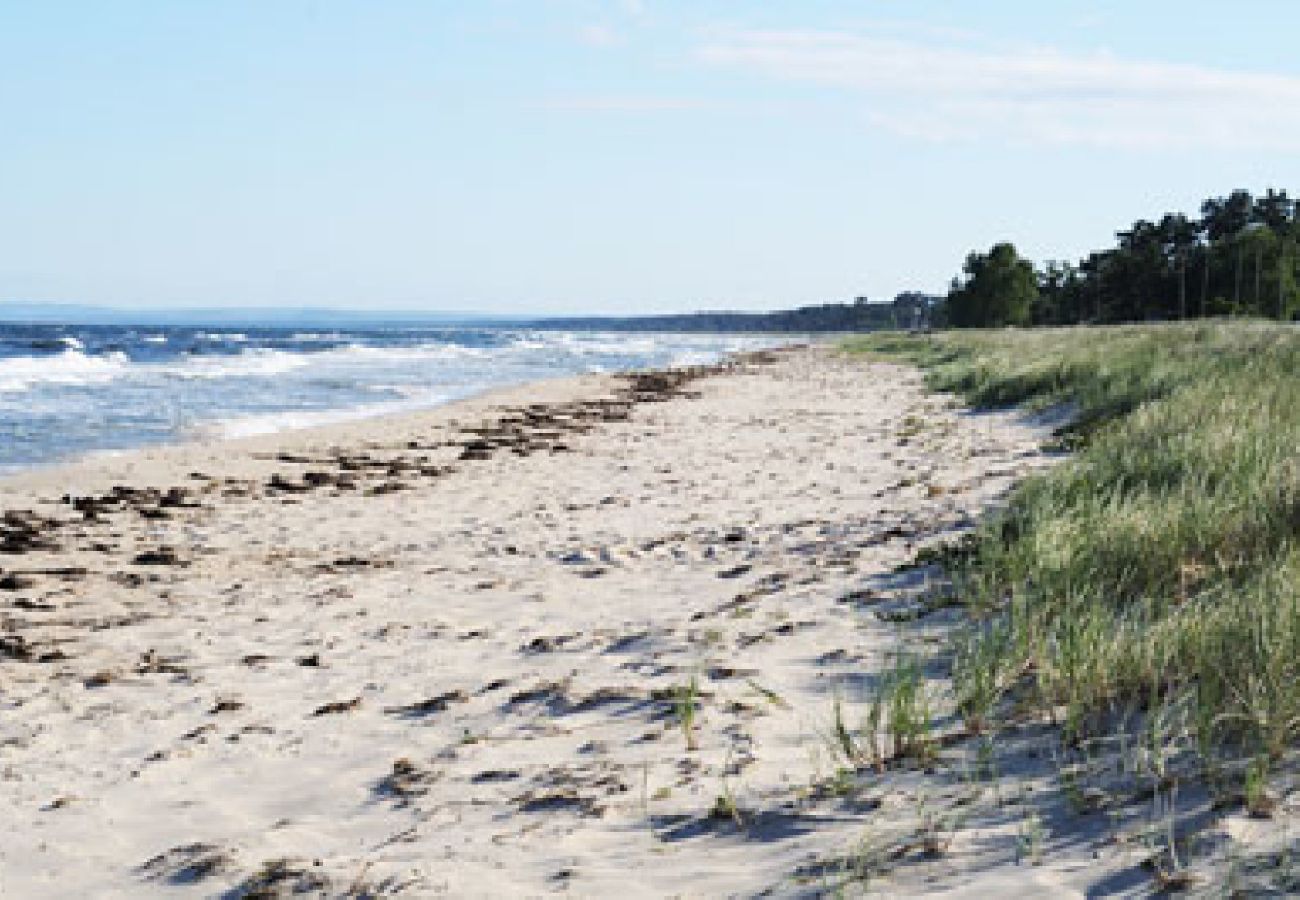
column 1275, row 209
column 1224, row 217
column 1242, row 257
column 999, row 288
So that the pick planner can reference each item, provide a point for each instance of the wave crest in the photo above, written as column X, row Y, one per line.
column 19, row 373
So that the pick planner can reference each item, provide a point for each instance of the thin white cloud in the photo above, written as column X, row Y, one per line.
column 625, row 104
column 1026, row 96
column 599, row 36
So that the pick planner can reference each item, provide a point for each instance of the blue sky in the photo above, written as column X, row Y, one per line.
column 513, row 156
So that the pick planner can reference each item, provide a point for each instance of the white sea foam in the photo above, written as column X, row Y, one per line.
column 694, row 358
column 604, row 344
column 73, row 366
column 311, row 336
column 19, row 373
column 234, row 337
column 415, row 352
column 259, row 361
column 271, row 423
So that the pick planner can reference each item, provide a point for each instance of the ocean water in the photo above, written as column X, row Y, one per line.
column 66, row 390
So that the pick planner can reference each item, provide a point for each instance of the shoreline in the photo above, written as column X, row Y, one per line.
column 186, row 398
column 174, row 455
column 200, row 446
column 551, row 638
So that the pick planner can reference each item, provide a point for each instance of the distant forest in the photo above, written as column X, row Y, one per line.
column 908, row 310
column 1238, row 258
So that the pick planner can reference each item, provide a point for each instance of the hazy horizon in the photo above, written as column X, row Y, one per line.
column 568, row 157
column 54, row 311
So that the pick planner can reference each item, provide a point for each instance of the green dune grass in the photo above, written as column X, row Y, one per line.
column 1158, row 569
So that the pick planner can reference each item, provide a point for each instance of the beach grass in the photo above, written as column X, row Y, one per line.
column 1156, row 573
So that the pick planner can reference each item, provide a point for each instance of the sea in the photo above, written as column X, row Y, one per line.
column 70, row 390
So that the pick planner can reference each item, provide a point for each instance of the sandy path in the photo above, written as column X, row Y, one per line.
column 463, row 673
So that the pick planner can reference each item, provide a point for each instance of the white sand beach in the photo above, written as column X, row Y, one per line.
column 451, row 653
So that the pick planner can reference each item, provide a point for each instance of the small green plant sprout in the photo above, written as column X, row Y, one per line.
column 768, row 694
column 1170, row 873
column 866, row 860
column 934, row 833
column 903, row 700
column 1169, row 808
column 871, row 728
column 979, row 661
column 1173, row 881
column 899, row 711
column 1029, row 840
column 842, row 741
column 685, row 707
column 842, row 783
column 1069, row 778
column 1259, row 802
column 986, row 759
column 724, row 807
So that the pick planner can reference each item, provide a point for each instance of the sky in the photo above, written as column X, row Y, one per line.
column 610, row 156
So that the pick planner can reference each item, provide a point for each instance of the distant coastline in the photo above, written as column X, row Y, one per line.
column 910, row 309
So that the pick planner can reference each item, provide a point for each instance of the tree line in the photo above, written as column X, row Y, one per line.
column 1238, row 258
column 909, row 309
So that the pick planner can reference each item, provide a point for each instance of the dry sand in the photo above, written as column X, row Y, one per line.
column 461, row 671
